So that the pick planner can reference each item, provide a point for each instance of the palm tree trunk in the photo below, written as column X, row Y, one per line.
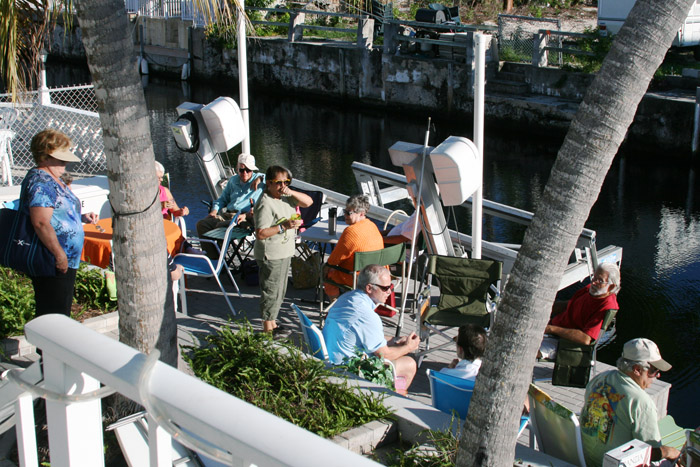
column 146, row 317
column 584, row 159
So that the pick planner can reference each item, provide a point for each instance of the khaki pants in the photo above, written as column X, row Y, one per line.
column 273, row 286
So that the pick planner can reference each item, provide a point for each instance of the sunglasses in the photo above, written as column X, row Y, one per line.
column 385, row 288
column 244, row 170
column 653, row 372
column 281, row 182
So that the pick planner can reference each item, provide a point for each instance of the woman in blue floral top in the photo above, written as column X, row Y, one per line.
column 55, row 214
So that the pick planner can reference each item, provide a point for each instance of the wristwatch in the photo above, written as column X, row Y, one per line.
column 281, row 228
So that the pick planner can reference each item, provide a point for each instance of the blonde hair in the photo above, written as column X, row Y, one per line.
column 45, row 142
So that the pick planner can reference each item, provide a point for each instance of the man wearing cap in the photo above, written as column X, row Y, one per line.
column 240, row 194
column 617, row 408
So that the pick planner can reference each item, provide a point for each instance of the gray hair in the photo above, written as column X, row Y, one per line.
column 358, row 203
column 627, row 366
column 613, row 274
column 160, row 168
column 370, row 275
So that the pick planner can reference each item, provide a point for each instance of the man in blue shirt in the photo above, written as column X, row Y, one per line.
column 353, row 324
column 240, row 194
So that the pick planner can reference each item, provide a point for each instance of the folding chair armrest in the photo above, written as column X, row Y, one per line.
column 337, row 268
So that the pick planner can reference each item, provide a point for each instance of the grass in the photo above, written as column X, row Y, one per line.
column 279, row 379
column 439, row 451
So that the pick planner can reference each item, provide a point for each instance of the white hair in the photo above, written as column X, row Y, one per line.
column 160, row 168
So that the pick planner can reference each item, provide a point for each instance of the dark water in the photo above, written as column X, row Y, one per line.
column 647, row 204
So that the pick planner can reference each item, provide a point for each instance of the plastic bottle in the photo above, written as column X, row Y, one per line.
column 332, row 219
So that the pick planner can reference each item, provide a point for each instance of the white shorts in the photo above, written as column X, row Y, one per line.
column 548, row 347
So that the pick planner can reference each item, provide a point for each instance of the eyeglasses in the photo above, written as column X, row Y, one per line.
column 348, row 212
column 385, row 288
column 653, row 372
column 244, row 170
column 281, row 182
column 598, row 280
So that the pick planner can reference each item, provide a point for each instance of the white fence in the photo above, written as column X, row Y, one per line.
column 72, row 110
column 77, row 360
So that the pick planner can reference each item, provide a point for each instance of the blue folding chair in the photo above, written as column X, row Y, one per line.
column 201, row 265
column 14, row 205
column 312, row 335
column 453, row 394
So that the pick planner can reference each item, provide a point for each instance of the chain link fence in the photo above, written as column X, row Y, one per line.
column 515, row 37
column 72, row 110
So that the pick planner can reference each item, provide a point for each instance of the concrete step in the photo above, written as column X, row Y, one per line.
column 507, row 87
column 511, row 76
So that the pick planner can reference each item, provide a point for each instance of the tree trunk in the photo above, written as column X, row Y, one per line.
column 584, row 159
column 146, row 317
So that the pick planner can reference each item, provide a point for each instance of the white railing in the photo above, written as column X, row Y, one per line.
column 77, row 360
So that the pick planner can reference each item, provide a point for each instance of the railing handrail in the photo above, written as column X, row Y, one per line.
column 196, row 407
column 308, row 12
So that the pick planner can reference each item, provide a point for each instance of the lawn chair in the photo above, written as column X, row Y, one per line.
column 310, row 215
column 555, row 428
column 14, row 205
column 575, row 363
column 468, row 295
column 389, row 256
column 239, row 236
column 201, row 265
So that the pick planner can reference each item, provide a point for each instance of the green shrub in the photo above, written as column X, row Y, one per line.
column 371, row 368
column 280, row 380
column 442, row 450
column 17, row 303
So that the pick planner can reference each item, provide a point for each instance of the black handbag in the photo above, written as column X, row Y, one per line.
column 20, row 247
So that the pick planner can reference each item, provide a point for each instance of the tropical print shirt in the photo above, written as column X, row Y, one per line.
column 39, row 189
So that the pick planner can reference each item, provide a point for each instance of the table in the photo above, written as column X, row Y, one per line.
column 97, row 248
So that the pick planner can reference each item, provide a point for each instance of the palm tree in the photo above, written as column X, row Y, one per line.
column 146, row 317
column 574, row 185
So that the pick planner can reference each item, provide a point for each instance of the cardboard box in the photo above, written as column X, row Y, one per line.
column 632, row 454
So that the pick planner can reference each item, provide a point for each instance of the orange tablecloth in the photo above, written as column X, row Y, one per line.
column 97, row 248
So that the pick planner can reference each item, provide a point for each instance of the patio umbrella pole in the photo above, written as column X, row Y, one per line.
column 404, row 295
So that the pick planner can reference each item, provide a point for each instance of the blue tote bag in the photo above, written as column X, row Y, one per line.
column 20, row 247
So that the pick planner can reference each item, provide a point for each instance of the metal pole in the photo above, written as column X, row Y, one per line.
column 696, row 123
column 404, row 295
column 44, row 96
column 479, row 84
column 243, row 76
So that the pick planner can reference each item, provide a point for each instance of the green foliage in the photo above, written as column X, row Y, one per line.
column 371, row 368
column 16, row 302
column 280, row 380
column 221, row 37
column 597, row 44
column 508, row 53
column 91, row 289
column 441, row 452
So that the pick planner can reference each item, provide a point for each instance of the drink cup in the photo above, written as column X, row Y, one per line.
column 332, row 219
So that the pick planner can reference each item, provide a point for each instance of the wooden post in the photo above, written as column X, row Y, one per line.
column 539, row 53
column 296, row 27
column 365, row 32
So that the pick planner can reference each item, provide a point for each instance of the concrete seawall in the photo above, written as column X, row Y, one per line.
column 544, row 101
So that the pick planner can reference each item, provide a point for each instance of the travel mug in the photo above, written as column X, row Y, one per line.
column 332, row 218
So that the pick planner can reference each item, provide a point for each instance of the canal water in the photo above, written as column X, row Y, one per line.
column 648, row 205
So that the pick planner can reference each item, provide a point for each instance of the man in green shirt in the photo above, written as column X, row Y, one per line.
column 618, row 409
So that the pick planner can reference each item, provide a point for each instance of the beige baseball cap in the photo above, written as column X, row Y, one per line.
column 248, row 160
column 645, row 350
column 65, row 154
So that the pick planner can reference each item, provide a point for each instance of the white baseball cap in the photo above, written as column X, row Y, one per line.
column 644, row 350
column 248, row 160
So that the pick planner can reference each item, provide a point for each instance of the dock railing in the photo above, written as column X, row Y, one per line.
column 541, row 48
column 385, row 187
column 78, row 360
column 359, row 26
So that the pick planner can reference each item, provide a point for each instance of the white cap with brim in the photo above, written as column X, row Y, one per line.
column 645, row 350
column 248, row 160
column 65, row 155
